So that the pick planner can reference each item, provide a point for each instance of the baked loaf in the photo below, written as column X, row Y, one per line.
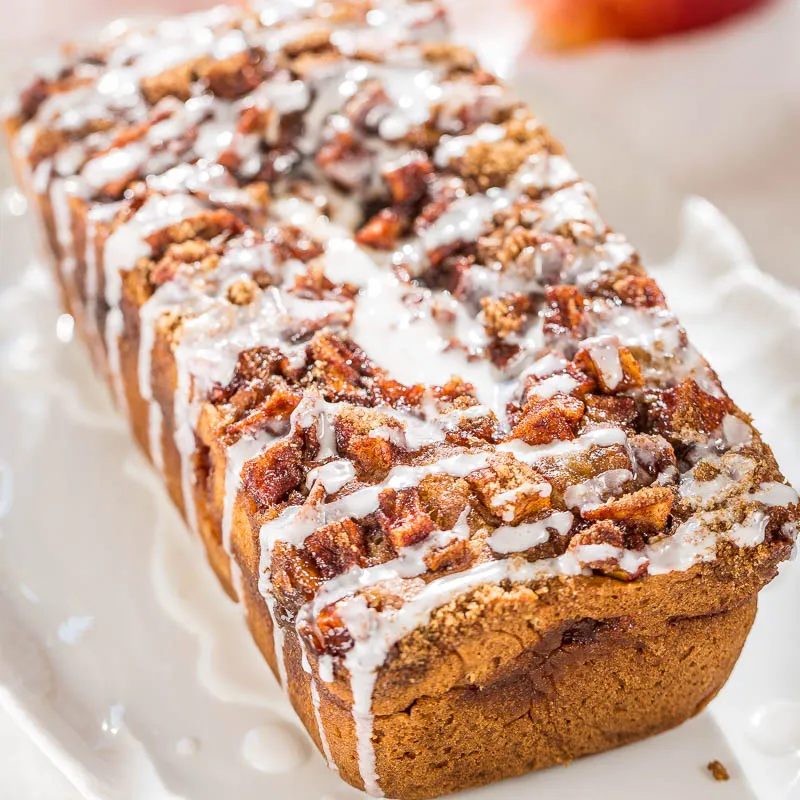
column 486, row 507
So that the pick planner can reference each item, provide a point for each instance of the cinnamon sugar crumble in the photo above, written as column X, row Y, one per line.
column 718, row 771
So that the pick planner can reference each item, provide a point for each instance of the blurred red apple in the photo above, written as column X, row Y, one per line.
column 571, row 23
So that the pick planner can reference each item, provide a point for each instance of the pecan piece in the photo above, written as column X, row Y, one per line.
column 510, row 489
column 345, row 161
column 289, row 241
column 234, row 76
column 444, row 498
column 175, row 81
column 564, row 313
column 506, row 315
column 639, row 291
column 253, row 367
column 206, row 225
column 293, row 575
column 242, row 292
column 408, row 182
column 272, row 475
column 488, row 164
column 601, row 547
column 402, row 518
column 382, row 231
column 647, row 508
column 543, row 420
column 453, row 57
column 617, row 409
column 329, row 634
column 202, row 255
column 341, row 369
column 277, row 407
column 613, row 366
column 687, row 414
column 337, row 547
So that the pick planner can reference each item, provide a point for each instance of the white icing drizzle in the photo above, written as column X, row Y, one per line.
column 775, row 494
column 595, row 491
column 605, row 354
column 315, row 704
column 508, row 539
column 155, row 429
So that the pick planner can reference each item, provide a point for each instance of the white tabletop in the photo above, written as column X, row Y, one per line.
column 716, row 113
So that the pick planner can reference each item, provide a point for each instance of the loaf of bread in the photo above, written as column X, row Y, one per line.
column 486, row 507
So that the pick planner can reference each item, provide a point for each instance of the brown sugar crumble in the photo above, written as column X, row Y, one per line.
column 718, row 771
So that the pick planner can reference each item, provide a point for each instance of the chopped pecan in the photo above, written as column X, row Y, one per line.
column 307, row 64
column 488, row 164
column 393, row 393
column 718, row 771
column 270, row 476
column 340, row 368
column 315, row 41
column 345, row 161
column 601, row 548
column 501, row 353
column 408, row 182
column 277, row 407
column 613, row 366
column 456, row 393
column 543, row 420
column 329, row 634
column 242, row 292
column 383, row 230
column 569, row 381
column 457, row 556
column 640, row 291
column 370, row 439
column 32, row 96
column 453, row 57
column 524, row 128
column 510, row 489
column 617, row 409
column 253, row 366
column 46, row 144
column 337, row 547
column 647, row 508
column 366, row 107
column 175, row 82
column 289, row 241
column 349, row 12
column 564, row 312
column 402, row 518
column 444, row 498
column 505, row 315
column 206, row 225
column 202, row 255
column 294, row 576
column 315, row 285
column 234, row 76
column 686, row 414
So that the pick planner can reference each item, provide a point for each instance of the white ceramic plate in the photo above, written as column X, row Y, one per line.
column 123, row 658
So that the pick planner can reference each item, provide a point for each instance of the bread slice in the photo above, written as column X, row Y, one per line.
column 486, row 507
